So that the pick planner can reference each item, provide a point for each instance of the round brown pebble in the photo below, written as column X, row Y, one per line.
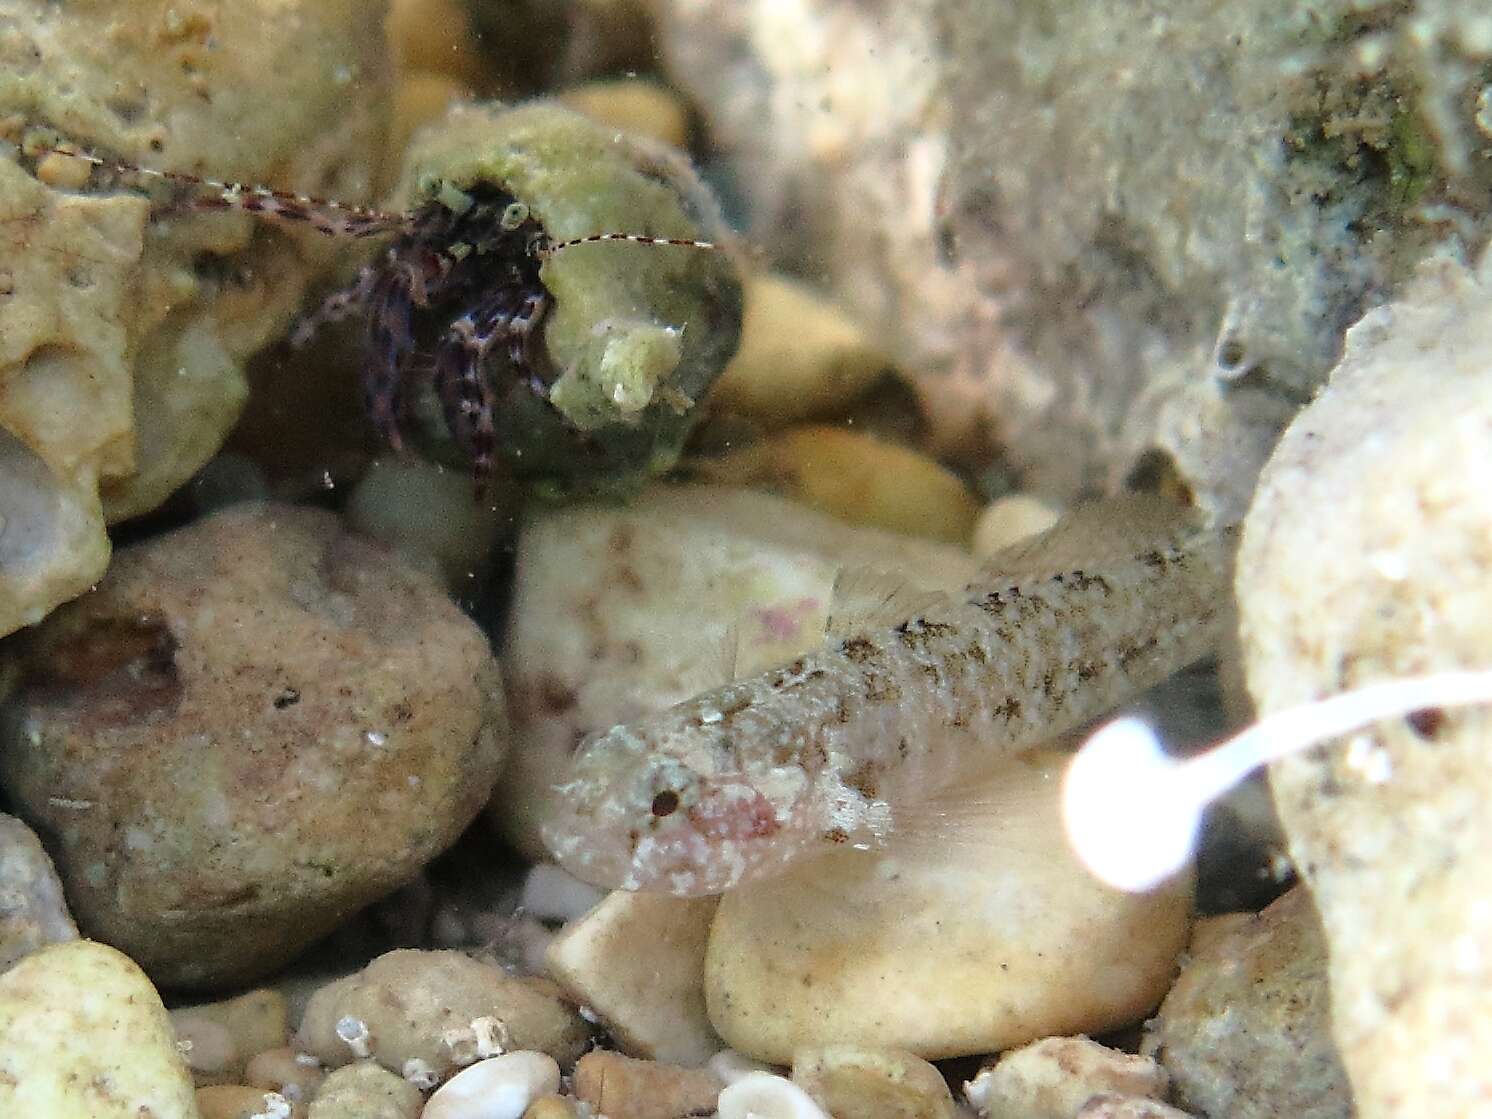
column 285, row 1071
column 626, row 1088
column 239, row 1101
column 254, row 726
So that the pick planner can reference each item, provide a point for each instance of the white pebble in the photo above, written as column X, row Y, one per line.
column 497, row 1088
column 552, row 894
column 763, row 1095
column 730, row 1065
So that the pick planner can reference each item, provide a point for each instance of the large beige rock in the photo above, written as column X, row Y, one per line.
column 255, row 726
column 1106, row 234
column 1368, row 555
column 623, row 610
column 123, row 335
column 982, row 933
column 83, row 1035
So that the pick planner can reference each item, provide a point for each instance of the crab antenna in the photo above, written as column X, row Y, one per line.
column 335, row 219
column 547, row 250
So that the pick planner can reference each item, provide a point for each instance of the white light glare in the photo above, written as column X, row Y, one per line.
column 1132, row 813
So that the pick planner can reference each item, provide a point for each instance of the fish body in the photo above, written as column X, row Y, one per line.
column 835, row 747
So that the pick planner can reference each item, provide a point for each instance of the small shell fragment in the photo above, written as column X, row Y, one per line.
column 496, row 1088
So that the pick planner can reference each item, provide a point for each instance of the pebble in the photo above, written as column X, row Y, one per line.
column 1053, row 1078
column 239, row 1101
column 625, row 1088
column 551, row 893
column 285, row 1071
column 265, row 675
column 496, row 1088
column 621, row 610
column 431, row 516
column 637, row 961
column 849, row 1080
column 225, row 1034
column 762, row 1095
column 1245, row 1030
column 33, row 912
column 83, row 1035
column 1129, row 1107
column 208, row 1048
column 642, row 108
column 443, row 1010
column 552, row 1107
column 365, row 1090
column 1009, row 520
column 800, row 357
column 978, row 932
column 858, row 478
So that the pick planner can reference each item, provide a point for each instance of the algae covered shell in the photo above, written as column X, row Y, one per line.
column 635, row 333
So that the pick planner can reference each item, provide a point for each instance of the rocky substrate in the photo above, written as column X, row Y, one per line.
column 280, row 782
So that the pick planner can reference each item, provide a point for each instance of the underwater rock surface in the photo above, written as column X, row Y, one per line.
column 1245, row 1031
column 1366, row 556
column 255, row 726
column 122, row 335
column 1102, row 232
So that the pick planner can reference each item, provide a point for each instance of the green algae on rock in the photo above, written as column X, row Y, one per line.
column 636, row 333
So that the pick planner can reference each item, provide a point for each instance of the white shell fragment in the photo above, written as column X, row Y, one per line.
column 762, row 1095
column 497, row 1088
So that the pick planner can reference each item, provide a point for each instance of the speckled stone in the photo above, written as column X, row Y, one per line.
column 255, row 726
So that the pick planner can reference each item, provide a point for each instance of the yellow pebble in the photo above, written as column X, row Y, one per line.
column 420, row 98
column 433, row 37
column 858, row 478
column 279, row 1070
column 800, row 357
column 238, row 1101
column 640, row 107
column 1009, row 520
column 64, row 171
column 551, row 1107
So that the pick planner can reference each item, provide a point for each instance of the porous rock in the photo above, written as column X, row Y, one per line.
column 33, row 912
column 442, row 1009
column 977, row 933
column 122, row 335
column 1366, row 556
column 1055, row 1077
column 210, row 737
column 1101, row 234
column 1244, row 1031
column 620, row 611
column 83, row 1035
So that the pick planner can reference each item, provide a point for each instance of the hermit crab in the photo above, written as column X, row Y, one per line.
column 552, row 301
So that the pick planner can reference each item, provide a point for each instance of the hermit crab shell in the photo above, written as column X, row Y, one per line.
column 636, row 333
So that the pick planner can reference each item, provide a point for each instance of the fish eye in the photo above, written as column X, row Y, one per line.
column 665, row 803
